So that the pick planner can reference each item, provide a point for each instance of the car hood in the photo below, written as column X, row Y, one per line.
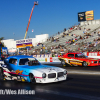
column 44, row 68
column 49, row 69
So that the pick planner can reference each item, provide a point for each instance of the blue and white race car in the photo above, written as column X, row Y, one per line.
column 29, row 69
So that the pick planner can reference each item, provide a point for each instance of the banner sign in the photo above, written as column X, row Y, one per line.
column 55, row 59
column 89, row 15
column 85, row 16
column 4, row 50
column 23, row 43
column 41, row 59
column 81, row 16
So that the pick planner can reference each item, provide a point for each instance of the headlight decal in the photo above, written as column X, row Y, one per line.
column 65, row 72
column 44, row 75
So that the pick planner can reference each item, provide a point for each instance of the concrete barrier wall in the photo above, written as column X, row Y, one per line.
column 48, row 59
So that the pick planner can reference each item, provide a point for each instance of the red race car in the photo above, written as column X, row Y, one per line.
column 78, row 59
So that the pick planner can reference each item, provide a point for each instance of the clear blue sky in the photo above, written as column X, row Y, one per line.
column 49, row 17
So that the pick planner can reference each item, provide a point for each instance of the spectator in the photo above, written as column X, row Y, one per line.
column 64, row 29
column 58, row 32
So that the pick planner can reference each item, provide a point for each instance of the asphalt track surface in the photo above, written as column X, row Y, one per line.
column 83, row 83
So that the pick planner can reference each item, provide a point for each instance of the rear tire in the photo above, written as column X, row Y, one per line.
column 32, row 78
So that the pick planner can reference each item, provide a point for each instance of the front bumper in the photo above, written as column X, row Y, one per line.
column 51, row 80
column 93, row 64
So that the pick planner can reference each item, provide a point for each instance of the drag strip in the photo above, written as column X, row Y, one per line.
column 71, row 95
column 84, row 72
column 82, row 84
column 80, row 70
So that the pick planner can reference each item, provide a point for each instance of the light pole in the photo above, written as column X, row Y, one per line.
column 14, row 35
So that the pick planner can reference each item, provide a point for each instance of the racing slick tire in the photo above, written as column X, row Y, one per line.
column 84, row 64
column 32, row 78
column 63, row 63
column 1, row 74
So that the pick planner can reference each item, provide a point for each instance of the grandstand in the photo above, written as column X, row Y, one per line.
column 85, row 29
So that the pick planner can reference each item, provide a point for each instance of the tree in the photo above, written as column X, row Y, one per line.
column 2, row 44
column 2, row 38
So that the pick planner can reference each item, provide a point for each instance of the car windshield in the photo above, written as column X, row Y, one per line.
column 80, row 55
column 29, row 61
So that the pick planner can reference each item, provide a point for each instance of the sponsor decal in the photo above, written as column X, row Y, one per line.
column 81, row 18
column 41, row 59
column 31, row 59
column 66, row 60
column 23, row 45
column 18, row 71
column 51, row 59
column 47, row 55
column 45, row 59
column 55, row 59
column 42, row 55
column 35, row 56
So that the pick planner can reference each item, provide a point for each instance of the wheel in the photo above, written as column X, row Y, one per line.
column 63, row 63
column 1, row 74
column 84, row 64
column 32, row 78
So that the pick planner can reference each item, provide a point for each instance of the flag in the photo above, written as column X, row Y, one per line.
column 32, row 30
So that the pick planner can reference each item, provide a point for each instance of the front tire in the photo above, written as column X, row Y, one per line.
column 84, row 64
column 32, row 78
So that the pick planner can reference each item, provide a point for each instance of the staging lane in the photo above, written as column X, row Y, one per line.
column 77, row 87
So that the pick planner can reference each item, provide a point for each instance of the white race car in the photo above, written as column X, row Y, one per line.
column 29, row 69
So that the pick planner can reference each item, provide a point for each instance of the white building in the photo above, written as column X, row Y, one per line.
column 11, row 44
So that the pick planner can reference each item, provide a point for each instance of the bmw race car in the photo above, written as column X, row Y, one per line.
column 29, row 69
